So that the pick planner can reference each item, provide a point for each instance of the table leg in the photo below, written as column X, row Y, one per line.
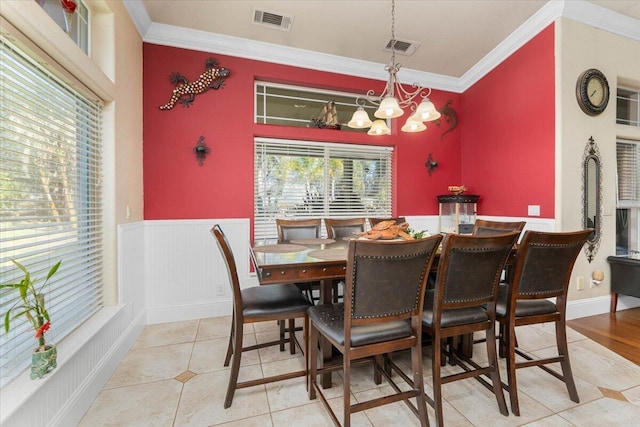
column 325, row 352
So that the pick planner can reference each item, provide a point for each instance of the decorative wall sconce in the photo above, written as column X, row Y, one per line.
column 430, row 164
column 202, row 150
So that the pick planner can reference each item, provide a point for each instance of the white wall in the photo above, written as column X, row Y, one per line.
column 578, row 48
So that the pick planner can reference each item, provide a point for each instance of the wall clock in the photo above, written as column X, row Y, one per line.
column 592, row 92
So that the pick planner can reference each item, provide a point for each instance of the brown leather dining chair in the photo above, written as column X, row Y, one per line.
column 291, row 229
column 381, row 313
column 339, row 228
column 463, row 302
column 543, row 267
column 483, row 227
column 257, row 304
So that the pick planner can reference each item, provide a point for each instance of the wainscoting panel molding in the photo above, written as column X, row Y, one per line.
column 185, row 274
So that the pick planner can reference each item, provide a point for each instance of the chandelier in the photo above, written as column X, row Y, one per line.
column 394, row 99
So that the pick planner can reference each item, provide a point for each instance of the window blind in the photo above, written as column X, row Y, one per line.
column 305, row 179
column 50, row 200
column 628, row 177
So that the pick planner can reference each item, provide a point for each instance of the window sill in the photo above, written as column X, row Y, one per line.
column 23, row 390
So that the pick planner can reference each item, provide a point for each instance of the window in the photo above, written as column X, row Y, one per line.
column 76, row 25
column 627, row 107
column 628, row 189
column 298, row 106
column 50, row 199
column 300, row 179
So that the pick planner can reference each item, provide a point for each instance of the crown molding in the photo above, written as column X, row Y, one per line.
column 578, row 10
column 139, row 15
column 525, row 32
column 168, row 35
column 601, row 18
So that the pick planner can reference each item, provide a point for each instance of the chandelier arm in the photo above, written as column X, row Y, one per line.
column 394, row 98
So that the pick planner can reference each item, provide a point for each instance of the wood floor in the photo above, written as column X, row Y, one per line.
column 619, row 332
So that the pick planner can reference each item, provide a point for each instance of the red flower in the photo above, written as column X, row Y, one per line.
column 42, row 329
column 69, row 6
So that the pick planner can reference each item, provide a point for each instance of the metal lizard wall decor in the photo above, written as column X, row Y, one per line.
column 185, row 92
column 450, row 116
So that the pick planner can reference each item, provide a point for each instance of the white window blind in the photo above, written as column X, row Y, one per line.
column 303, row 179
column 50, row 200
column 628, row 158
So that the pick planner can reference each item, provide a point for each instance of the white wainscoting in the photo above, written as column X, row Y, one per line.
column 185, row 273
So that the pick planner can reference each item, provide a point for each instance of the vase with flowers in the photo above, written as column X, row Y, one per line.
column 32, row 305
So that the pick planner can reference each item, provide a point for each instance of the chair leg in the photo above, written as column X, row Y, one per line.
column 305, row 333
column 495, row 372
column 292, row 336
column 511, row 370
column 563, row 351
column 502, row 347
column 418, row 384
column 230, row 346
column 377, row 369
column 346, row 366
column 436, row 344
column 282, row 325
column 235, row 364
column 312, row 357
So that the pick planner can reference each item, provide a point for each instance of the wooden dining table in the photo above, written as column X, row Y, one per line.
column 310, row 260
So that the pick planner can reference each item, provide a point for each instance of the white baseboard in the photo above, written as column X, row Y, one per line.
column 598, row 305
column 84, row 396
column 189, row 311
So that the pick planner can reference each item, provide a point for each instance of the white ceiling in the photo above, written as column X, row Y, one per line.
column 454, row 34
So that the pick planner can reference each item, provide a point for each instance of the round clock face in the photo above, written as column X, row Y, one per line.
column 592, row 92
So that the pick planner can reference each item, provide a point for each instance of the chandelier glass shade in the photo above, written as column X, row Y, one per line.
column 394, row 99
column 379, row 127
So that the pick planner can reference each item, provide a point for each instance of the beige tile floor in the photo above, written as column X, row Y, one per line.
column 174, row 376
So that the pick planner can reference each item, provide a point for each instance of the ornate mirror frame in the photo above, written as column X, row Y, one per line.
column 592, row 196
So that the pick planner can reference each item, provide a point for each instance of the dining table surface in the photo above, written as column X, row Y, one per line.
column 304, row 260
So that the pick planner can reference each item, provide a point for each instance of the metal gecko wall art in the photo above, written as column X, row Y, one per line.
column 450, row 116
column 185, row 92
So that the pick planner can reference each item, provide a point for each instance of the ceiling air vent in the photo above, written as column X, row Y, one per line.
column 403, row 47
column 272, row 19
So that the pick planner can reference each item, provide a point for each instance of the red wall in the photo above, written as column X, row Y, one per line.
column 508, row 133
column 175, row 187
column 502, row 148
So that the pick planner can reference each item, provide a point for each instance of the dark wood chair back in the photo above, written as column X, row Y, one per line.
column 543, row 266
column 469, row 269
column 339, row 228
column 483, row 227
column 291, row 229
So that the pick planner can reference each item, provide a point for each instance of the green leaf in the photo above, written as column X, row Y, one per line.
column 20, row 266
column 54, row 269
column 11, row 285
column 6, row 321
column 23, row 291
